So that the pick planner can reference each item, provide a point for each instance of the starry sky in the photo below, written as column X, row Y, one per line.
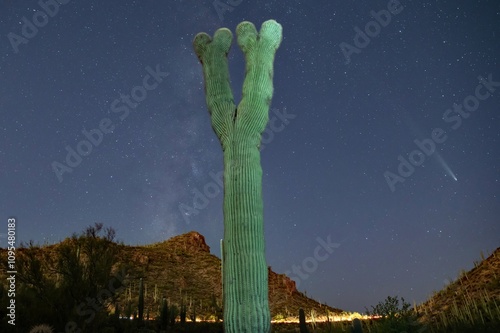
column 381, row 172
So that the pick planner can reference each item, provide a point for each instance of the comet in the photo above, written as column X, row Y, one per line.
column 445, row 166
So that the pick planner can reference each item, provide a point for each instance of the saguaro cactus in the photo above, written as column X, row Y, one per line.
column 302, row 322
column 163, row 315
column 239, row 129
column 356, row 326
column 141, row 302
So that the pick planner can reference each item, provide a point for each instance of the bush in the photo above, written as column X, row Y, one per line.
column 68, row 282
column 394, row 317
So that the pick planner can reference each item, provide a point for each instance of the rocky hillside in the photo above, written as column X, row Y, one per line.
column 183, row 270
column 475, row 295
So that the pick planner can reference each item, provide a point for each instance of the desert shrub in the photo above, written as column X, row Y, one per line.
column 395, row 317
column 69, row 282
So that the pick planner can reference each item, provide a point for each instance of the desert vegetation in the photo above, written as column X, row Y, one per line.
column 91, row 283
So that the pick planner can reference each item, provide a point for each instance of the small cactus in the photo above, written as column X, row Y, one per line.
column 183, row 312
column 192, row 312
column 42, row 329
column 117, row 310
column 141, row 302
column 164, row 314
column 128, row 312
column 302, row 321
column 173, row 313
column 356, row 326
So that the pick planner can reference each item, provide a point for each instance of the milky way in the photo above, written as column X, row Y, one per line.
column 356, row 83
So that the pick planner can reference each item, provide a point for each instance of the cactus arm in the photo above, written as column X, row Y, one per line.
column 259, row 49
column 212, row 53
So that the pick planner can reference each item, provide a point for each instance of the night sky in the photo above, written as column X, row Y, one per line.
column 381, row 172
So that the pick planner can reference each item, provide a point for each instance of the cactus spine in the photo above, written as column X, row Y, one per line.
column 239, row 129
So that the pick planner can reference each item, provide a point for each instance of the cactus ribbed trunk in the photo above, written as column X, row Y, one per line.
column 239, row 129
column 245, row 269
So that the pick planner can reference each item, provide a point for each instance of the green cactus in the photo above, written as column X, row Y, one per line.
column 42, row 329
column 183, row 312
column 356, row 326
column 141, row 302
column 117, row 310
column 128, row 311
column 172, row 314
column 163, row 314
column 239, row 129
column 216, row 308
column 192, row 310
column 193, row 315
column 302, row 321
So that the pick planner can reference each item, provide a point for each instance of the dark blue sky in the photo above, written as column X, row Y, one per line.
column 358, row 95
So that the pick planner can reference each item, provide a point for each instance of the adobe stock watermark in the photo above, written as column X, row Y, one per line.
column 221, row 7
column 309, row 265
column 94, row 137
column 40, row 19
column 372, row 29
column 427, row 147
column 277, row 122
